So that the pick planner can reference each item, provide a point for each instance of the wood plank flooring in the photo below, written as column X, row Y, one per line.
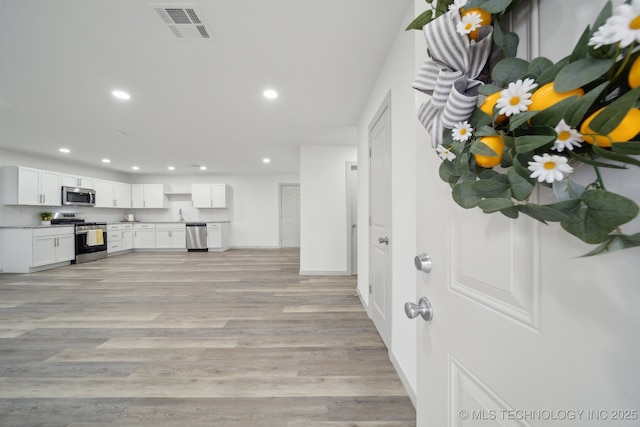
column 192, row 339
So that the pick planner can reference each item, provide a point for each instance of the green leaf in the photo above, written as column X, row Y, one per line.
column 422, row 19
column 492, row 188
column 519, row 119
column 576, row 112
column 580, row 51
column 550, row 73
column 626, row 147
column 607, row 154
column 510, row 47
column 552, row 115
column 581, row 225
column 494, row 205
column 520, row 165
column 617, row 242
column 580, row 73
column 485, row 131
column 539, row 65
column 609, row 118
column 566, row 206
column 543, row 213
column 479, row 118
column 489, row 89
column 521, row 187
column 481, row 148
column 608, row 209
column 583, row 159
column 449, row 172
column 528, row 143
column 510, row 212
column 567, row 189
column 491, row 6
column 509, row 70
column 464, row 195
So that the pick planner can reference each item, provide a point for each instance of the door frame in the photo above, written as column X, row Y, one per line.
column 352, row 216
column 385, row 105
column 280, row 186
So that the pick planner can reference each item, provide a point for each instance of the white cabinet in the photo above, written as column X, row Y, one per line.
column 149, row 196
column 144, row 236
column 114, row 238
column 210, row 195
column 126, row 239
column 76, row 181
column 24, row 250
column 110, row 194
column 29, row 186
column 218, row 236
column 171, row 236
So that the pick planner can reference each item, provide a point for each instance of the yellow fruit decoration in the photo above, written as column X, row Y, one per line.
column 634, row 74
column 546, row 96
column 496, row 143
column 626, row 129
column 488, row 105
column 485, row 19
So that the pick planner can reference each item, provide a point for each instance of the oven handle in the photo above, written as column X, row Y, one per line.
column 86, row 231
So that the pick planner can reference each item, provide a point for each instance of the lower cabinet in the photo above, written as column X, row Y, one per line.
column 120, row 237
column 126, row 239
column 171, row 236
column 24, row 250
column 144, row 236
column 218, row 236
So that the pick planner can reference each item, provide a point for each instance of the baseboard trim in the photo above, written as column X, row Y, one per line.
column 403, row 379
column 256, row 247
column 324, row 273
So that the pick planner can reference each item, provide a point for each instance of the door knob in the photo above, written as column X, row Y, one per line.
column 384, row 240
column 423, row 262
column 423, row 308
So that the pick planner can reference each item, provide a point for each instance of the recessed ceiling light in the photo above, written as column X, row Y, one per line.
column 266, row 160
column 64, row 150
column 270, row 94
column 203, row 168
column 135, row 168
column 171, row 168
column 121, row 94
column 106, row 161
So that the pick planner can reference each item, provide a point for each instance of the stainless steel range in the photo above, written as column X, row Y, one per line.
column 91, row 237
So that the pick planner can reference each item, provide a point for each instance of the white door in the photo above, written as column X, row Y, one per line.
column 524, row 332
column 352, row 215
column 50, row 188
column 290, row 216
column 380, row 228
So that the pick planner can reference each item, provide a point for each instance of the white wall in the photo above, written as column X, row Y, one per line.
column 323, row 208
column 396, row 77
column 254, row 212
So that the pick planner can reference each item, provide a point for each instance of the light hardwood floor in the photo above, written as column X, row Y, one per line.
column 192, row 339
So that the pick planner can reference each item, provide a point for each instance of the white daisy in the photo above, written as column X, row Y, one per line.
column 462, row 131
column 567, row 137
column 549, row 168
column 515, row 98
column 458, row 4
column 445, row 153
column 623, row 27
column 469, row 23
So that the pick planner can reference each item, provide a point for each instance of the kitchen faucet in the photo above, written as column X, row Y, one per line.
column 180, row 213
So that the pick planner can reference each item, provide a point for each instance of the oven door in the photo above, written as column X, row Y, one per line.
column 90, row 241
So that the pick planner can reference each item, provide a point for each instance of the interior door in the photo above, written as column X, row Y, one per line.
column 380, row 228
column 524, row 331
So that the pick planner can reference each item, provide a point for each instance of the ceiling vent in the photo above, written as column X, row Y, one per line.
column 184, row 22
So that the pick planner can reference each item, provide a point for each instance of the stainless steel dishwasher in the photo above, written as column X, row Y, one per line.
column 196, row 236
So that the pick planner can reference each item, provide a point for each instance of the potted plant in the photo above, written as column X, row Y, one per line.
column 46, row 217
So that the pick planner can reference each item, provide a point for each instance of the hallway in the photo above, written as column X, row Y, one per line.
column 192, row 339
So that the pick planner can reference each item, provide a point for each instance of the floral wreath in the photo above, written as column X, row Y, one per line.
column 504, row 126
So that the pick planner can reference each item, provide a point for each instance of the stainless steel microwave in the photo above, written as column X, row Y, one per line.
column 76, row 196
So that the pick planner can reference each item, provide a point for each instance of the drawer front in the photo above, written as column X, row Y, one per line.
column 113, row 227
column 144, row 226
column 126, row 226
column 114, row 247
column 54, row 231
column 114, row 236
column 170, row 226
column 214, row 225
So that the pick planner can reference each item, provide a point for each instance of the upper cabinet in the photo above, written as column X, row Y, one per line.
column 29, row 186
column 111, row 194
column 210, row 195
column 77, row 181
column 149, row 196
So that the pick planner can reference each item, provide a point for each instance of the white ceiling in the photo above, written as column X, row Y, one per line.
column 194, row 102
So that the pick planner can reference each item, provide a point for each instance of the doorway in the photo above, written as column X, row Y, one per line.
column 352, row 217
column 290, row 215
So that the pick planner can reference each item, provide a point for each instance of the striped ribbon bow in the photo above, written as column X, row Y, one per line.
column 449, row 74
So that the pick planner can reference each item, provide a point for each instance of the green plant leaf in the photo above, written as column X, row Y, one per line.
column 543, row 213
column 465, row 196
column 479, row 118
column 617, row 242
column 566, row 206
column 449, row 172
column 483, row 149
column 528, row 143
column 580, row 73
column 485, row 131
column 587, row 160
column 492, row 188
column 519, row 119
column 489, row 89
column 509, row 70
column 510, row 47
column 510, row 212
column 494, row 205
column 580, row 51
column 609, row 118
column 539, row 65
column 608, row 209
column 584, row 227
column 422, row 19
column 607, row 154
column 550, row 73
column 626, row 147
column 567, row 189
column 491, row 6
column 552, row 115
column 576, row 112
column 521, row 187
